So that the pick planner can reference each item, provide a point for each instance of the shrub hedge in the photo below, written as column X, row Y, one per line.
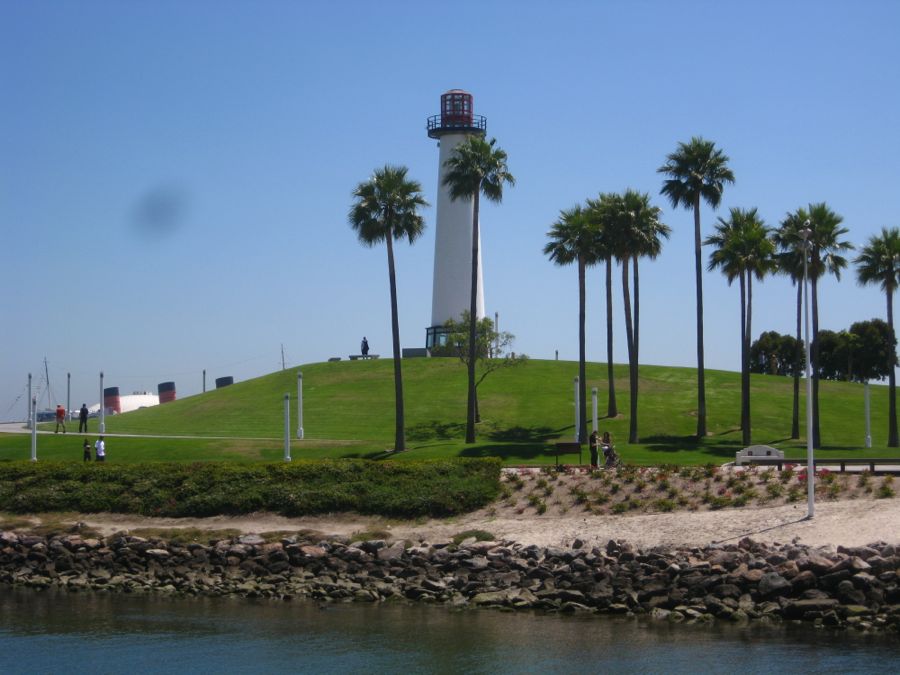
column 408, row 489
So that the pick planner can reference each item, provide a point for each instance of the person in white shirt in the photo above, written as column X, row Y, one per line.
column 100, row 450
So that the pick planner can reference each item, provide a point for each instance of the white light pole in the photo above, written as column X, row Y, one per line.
column 68, row 394
column 594, row 406
column 287, row 427
column 299, row 404
column 33, row 403
column 102, row 407
column 29, row 420
column 810, row 464
column 868, row 418
column 577, row 421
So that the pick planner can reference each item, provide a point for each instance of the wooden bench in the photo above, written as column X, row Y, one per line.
column 824, row 461
column 564, row 448
column 363, row 357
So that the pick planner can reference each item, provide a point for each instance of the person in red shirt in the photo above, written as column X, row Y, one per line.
column 60, row 418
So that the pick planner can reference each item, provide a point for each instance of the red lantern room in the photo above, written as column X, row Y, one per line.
column 456, row 116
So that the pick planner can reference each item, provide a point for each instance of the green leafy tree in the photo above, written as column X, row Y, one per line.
column 573, row 239
column 385, row 208
column 697, row 171
column 638, row 233
column 874, row 350
column 776, row 354
column 476, row 167
column 879, row 263
column 743, row 249
column 492, row 349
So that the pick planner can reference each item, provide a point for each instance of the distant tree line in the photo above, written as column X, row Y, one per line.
column 864, row 352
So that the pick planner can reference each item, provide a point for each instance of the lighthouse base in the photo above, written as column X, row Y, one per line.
column 437, row 337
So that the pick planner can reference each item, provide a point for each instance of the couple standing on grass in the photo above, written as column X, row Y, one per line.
column 99, row 450
column 604, row 444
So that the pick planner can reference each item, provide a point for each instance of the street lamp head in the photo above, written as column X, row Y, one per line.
column 806, row 231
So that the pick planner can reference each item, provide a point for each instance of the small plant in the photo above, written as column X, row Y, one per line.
column 635, row 504
column 541, row 483
column 614, row 488
column 515, row 480
column 793, row 494
column 885, row 491
column 664, row 505
column 620, row 507
column 541, row 507
column 774, row 489
column 640, row 484
column 710, row 470
column 579, row 495
column 479, row 535
column 767, row 475
column 717, row 503
column 600, row 497
column 684, row 501
column 834, row 490
column 663, row 485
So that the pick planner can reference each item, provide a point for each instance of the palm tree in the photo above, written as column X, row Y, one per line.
column 697, row 171
column 826, row 248
column 386, row 207
column 603, row 218
column 638, row 234
column 789, row 242
column 573, row 239
column 476, row 167
column 743, row 250
column 879, row 263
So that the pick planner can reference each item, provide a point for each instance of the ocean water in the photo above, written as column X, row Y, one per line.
column 57, row 632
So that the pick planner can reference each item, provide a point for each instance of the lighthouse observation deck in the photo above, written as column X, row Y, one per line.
column 438, row 125
column 456, row 116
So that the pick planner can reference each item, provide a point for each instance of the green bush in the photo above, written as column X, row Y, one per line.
column 399, row 489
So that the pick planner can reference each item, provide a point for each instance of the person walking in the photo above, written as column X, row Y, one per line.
column 100, row 450
column 82, row 419
column 364, row 347
column 60, row 418
column 87, row 450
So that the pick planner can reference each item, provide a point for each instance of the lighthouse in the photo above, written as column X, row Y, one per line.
column 451, row 292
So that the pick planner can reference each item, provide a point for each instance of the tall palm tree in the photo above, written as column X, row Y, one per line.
column 603, row 218
column 476, row 167
column 825, row 257
column 789, row 242
column 386, row 207
column 743, row 250
column 879, row 263
column 697, row 171
column 638, row 234
column 573, row 239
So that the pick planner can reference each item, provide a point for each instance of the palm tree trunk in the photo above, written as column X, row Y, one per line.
column 611, row 409
column 635, row 360
column 399, row 434
column 582, row 377
column 743, row 289
column 893, row 440
column 473, row 319
column 701, row 374
column 745, row 384
column 798, row 356
column 629, row 338
column 817, row 440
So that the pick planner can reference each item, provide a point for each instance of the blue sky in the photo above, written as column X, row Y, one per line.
column 175, row 176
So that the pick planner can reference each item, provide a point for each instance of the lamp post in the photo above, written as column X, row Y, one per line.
column 810, row 465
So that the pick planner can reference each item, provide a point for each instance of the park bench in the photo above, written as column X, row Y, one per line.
column 363, row 357
column 564, row 448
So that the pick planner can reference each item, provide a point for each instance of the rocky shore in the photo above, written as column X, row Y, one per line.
column 855, row 588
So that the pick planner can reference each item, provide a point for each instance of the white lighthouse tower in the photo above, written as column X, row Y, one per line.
column 452, row 291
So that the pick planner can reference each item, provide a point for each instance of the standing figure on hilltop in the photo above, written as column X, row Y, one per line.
column 60, row 418
column 364, row 346
column 82, row 419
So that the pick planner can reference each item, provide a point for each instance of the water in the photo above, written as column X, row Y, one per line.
column 54, row 632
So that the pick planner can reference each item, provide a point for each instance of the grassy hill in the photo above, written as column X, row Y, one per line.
column 349, row 412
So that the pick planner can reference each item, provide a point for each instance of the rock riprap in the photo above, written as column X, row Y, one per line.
column 855, row 587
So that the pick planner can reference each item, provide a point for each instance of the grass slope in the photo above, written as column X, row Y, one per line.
column 349, row 412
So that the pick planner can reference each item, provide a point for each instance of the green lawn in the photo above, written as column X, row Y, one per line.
column 349, row 412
